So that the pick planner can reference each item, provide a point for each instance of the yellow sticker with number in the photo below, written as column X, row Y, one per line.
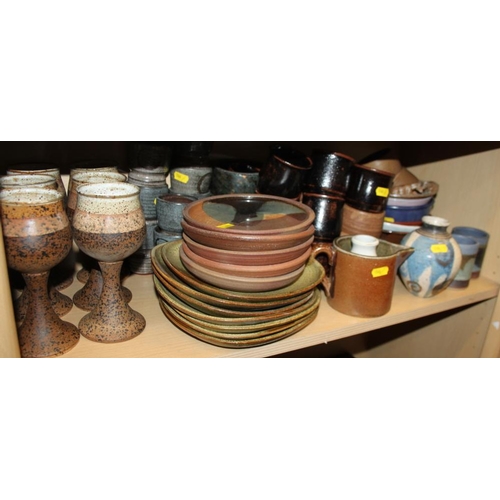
column 380, row 271
column 439, row 248
column 382, row 191
column 178, row 176
column 225, row 226
column 388, row 219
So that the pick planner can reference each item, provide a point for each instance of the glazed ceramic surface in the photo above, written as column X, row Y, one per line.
column 34, row 180
column 191, row 180
column 109, row 223
column 235, row 177
column 362, row 285
column 356, row 221
column 363, row 244
column 328, row 210
column 469, row 248
column 328, row 175
column 252, row 258
column 481, row 237
column 368, row 189
column 169, row 211
column 436, row 260
column 283, row 173
column 247, row 242
column 408, row 214
column 249, row 214
column 52, row 171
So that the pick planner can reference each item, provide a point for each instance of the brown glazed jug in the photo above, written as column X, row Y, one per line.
column 359, row 285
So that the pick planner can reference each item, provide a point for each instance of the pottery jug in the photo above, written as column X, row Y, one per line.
column 360, row 285
column 436, row 260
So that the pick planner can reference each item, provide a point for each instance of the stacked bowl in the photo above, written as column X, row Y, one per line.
column 243, row 274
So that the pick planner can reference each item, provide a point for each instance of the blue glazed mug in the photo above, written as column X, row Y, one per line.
column 482, row 238
column 469, row 248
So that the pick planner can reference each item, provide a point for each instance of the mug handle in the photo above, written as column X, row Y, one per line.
column 326, row 248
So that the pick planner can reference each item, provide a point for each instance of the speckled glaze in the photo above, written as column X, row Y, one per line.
column 436, row 260
column 25, row 180
column 37, row 237
column 82, row 170
column 109, row 225
column 90, row 177
column 52, row 171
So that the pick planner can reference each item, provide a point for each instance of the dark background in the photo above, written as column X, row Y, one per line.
column 63, row 153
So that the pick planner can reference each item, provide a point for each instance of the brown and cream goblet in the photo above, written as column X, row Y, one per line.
column 37, row 237
column 109, row 225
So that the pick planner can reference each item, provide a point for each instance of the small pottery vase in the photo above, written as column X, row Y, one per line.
column 436, row 260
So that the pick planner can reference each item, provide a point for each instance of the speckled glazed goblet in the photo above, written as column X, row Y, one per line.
column 62, row 304
column 37, row 237
column 88, row 296
column 109, row 225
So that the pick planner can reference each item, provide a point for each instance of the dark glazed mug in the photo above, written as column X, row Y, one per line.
column 283, row 173
column 235, row 177
column 368, row 188
column 328, row 210
column 329, row 174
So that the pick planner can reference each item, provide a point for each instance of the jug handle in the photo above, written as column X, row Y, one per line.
column 326, row 248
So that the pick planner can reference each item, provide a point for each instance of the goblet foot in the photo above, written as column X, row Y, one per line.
column 112, row 320
column 42, row 333
column 88, row 297
column 83, row 275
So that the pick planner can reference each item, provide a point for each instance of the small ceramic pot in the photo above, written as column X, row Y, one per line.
column 328, row 210
column 191, row 181
column 162, row 236
column 283, row 173
column 364, row 244
column 169, row 209
column 482, row 238
column 329, row 174
column 356, row 221
column 469, row 248
column 368, row 189
column 235, row 178
column 436, row 260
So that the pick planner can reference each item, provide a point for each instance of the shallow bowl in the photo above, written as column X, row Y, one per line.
column 246, row 242
column 252, row 271
column 249, row 214
column 253, row 258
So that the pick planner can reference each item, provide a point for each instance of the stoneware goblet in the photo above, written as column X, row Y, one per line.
column 62, row 304
column 38, row 237
column 109, row 225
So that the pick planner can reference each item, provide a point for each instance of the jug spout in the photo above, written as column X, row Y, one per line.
column 402, row 253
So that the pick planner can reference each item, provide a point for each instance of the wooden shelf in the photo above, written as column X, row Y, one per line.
column 162, row 339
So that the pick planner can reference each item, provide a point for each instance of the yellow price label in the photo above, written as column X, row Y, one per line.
column 178, row 176
column 439, row 248
column 388, row 219
column 225, row 226
column 380, row 271
column 381, row 191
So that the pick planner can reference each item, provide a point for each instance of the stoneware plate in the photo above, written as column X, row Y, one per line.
column 230, row 342
column 229, row 306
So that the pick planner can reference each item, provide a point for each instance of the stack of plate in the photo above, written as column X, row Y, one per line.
column 247, row 242
column 231, row 318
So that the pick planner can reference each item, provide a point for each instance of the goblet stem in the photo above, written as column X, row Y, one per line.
column 43, row 333
column 88, row 297
column 112, row 320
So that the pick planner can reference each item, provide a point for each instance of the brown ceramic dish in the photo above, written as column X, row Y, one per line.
column 246, row 242
column 254, row 258
column 239, row 283
column 256, row 271
column 242, row 214
column 307, row 281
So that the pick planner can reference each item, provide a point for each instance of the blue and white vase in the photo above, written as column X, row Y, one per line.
column 436, row 259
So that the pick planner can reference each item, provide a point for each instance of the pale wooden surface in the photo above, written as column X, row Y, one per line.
column 469, row 195
column 9, row 346
column 162, row 339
